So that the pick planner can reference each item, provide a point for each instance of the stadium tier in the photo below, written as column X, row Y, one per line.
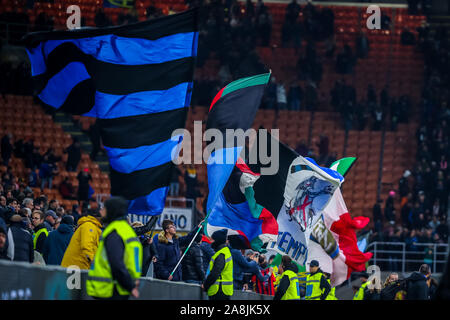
column 388, row 61
column 27, row 121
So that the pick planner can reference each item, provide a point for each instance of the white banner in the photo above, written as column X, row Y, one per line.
column 290, row 240
column 182, row 218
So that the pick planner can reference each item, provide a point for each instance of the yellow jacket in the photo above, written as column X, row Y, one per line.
column 84, row 243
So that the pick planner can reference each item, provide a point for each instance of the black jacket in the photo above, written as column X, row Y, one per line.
column 148, row 250
column 23, row 243
column 417, row 287
column 193, row 264
column 4, row 254
column 169, row 254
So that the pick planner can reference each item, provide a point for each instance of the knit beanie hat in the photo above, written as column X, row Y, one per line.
column 220, row 236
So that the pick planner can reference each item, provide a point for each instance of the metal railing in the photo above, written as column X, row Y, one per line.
column 392, row 254
column 171, row 201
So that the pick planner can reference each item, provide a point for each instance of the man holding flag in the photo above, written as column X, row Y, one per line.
column 168, row 245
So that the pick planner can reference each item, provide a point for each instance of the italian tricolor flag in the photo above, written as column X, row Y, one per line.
column 343, row 228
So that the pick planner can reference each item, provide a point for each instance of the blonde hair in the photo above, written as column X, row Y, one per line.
column 40, row 213
column 137, row 224
column 386, row 283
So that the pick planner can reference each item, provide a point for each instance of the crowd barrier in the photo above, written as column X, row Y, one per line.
column 24, row 281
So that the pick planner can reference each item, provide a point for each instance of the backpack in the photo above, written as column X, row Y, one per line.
column 390, row 292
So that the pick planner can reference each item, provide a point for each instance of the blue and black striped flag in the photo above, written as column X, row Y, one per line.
column 137, row 80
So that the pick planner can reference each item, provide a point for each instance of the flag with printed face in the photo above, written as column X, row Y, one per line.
column 308, row 190
column 137, row 81
column 296, row 196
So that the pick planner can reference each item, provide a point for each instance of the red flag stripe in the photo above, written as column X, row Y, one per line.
column 345, row 229
column 217, row 97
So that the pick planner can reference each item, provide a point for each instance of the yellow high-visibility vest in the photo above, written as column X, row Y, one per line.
column 99, row 281
column 313, row 291
column 37, row 234
column 226, row 276
column 332, row 294
column 293, row 292
column 360, row 293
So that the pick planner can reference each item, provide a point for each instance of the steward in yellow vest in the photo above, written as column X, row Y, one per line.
column 332, row 294
column 40, row 231
column 317, row 286
column 115, row 271
column 288, row 288
column 361, row 292
column 219, row 278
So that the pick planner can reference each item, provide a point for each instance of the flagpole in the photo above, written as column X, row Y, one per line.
column 199, row 228
column 154, row 218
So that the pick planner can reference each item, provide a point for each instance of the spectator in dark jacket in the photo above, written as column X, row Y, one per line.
column 75, row 213
column 6, row 148
column 23, row 241
column 193, row 263
column 207, row 252
column 389, row 207
column 169, row 252
column 50, row 220
column 191, row 181
column 417, row 284
column 83, row 185
column 149, row 251
column 46, row 172
column 74, row 156
column 66, row 189
column 3, row 244
column 241, row 265
column 57, row 241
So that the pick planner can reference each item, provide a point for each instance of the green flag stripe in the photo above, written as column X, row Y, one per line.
column 246, row 82
column 343, row 165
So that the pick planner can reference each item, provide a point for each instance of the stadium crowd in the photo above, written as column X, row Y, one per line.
column 423, row 191
column 41, row 231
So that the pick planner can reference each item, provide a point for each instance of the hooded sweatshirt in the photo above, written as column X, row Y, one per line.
column 417, row 287
column 84, row 243
column 23, row 243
